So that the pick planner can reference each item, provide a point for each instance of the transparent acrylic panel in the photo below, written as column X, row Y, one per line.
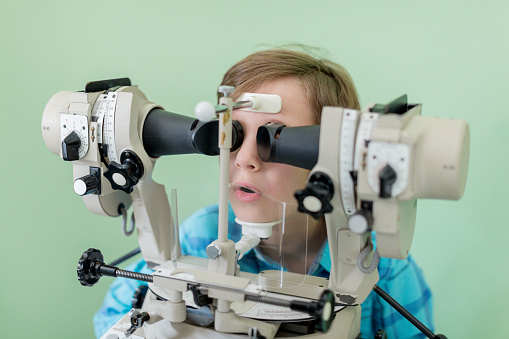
column 186, row 203
column 282, row 251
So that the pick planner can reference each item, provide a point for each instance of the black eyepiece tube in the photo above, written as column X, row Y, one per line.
column 166, row 133
column 296, row 146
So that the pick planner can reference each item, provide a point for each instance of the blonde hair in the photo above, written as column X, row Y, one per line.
column 325, row 82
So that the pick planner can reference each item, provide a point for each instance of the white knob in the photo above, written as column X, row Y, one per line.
column 312, row 203
column 80, row 187
column 119, row 179
column 358, row 223
column 205, row 111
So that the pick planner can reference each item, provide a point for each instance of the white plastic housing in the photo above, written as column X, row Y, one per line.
column 263, row 103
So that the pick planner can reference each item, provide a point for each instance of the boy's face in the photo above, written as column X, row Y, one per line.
column 279, row 181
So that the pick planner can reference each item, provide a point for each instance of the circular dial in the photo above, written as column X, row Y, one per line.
column 394, row 155
column 75, row 123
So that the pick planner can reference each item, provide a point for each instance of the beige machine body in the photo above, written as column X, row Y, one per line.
column 114, row 119
column 427, row 156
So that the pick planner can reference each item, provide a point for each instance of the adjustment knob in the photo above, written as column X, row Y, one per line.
column 126, row 175
column 88, row 267
column 315, row 198
column 89, row 184
column 226, row 90
column 387, row 178
column 71, row 146
column 360, row 222
column 324, row 314
column 205, row 111
column 213, row 252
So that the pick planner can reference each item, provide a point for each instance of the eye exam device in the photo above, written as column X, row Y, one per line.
column 368, row 168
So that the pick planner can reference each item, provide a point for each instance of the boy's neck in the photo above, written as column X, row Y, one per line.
column 298, row 250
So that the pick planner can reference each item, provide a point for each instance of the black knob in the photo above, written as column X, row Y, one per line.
column 89, row 184
column 126, row 175
column 315, row 198
column 71, row 146
column 91, row 267
column 387, row 178
column 322, row 310
column 325, row 311
column 88, row 267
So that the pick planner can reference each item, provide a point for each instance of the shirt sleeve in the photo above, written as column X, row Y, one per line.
column 402, row 280
column 200, row 229
column 118, row 299
column 195, row 233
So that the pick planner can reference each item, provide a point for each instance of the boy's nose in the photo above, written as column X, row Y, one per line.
column 247, row 156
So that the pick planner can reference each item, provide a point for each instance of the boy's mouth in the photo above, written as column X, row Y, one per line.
column 245, row 193
column 246, row 189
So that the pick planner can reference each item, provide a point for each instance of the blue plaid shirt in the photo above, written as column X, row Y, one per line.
column 402, row 279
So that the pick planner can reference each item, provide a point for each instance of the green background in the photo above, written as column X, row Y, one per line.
column 449, row 55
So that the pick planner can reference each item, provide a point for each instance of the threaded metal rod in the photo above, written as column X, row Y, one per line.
column 134, row 275
column 269, row 300
column 312, row 308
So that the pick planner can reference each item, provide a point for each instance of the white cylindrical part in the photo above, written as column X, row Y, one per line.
column 262, row 230
column 264, row 103
column 247, row 242
column 80, row 187
column 441, row 157
column 225, row 124
column 175, row 296
column 57, row 104
column 358, row 224
column 224, row 143
column 223, row 306
column 224, row 179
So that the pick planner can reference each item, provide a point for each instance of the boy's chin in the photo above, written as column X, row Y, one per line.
column 250, row 213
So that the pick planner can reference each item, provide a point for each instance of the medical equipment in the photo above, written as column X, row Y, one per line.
column 367, row 177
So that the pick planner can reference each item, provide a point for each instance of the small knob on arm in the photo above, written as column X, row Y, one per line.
column 71, row 146
column 89, row 184
column 315, row 198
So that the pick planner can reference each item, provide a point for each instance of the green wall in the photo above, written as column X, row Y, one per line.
column 452, row 56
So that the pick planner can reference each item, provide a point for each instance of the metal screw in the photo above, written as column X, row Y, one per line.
column 226, row 90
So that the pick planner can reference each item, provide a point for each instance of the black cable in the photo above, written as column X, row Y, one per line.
column 125, row 257
column 385, row 296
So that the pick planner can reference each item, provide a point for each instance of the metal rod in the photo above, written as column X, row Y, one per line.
column 242, row 104
column 269, row 300
column 385, row 296
column 236, row 105
column 134, row 275
column 224, row 144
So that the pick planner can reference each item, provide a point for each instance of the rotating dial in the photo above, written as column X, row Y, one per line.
column 384, row 156
column 79, row 125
